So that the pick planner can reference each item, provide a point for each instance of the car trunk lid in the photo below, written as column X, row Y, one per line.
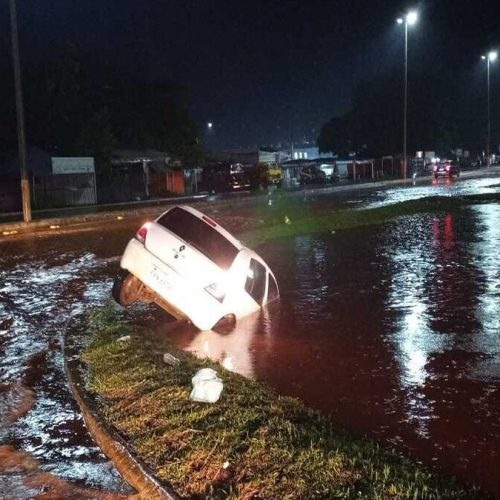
column 181, row 256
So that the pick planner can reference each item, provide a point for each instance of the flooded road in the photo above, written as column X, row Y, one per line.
column 42, row 289
column 437, row 187
column 393, row 330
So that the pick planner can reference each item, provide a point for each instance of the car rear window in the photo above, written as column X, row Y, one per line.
column 200, row 235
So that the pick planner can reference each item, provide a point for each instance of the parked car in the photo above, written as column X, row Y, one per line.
column 194, row 269
column 311, row 174
column 445, row 169
column 224, row 177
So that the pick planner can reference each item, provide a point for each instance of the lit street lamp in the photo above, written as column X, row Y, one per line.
column 490, row 57
column 408, row 20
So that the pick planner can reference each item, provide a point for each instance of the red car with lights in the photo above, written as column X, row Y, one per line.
column 445, row 169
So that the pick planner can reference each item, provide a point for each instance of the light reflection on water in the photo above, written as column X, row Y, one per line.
column 234, row 349
column 487, row 257
column 438, row 187
column 39, row 296
column 393, row 330
column 416, row 244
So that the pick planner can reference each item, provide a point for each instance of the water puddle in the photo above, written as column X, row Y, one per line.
column 42, row 289
column 436, row 187
column 392, row 330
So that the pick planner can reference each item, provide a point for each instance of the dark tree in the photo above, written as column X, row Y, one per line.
column 76, row 104
column 441, row 116
column 336, row 136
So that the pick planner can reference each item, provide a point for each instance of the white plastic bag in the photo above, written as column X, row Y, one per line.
column 207, row 386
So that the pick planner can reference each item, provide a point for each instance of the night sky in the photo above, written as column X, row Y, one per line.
column 259, row 70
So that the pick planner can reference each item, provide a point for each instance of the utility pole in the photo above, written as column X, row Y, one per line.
column 21, row 139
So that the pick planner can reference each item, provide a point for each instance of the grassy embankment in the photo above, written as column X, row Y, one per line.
column 303, row 222
column 252, row 443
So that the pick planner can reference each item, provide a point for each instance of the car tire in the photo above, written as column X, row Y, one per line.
column 126, row 289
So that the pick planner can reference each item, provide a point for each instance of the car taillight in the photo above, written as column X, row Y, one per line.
column 143, row 231
column 209, row 221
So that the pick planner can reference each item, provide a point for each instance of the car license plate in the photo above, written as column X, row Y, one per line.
column 160, row 277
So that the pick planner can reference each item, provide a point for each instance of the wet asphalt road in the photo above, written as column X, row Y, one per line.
column 393, row 330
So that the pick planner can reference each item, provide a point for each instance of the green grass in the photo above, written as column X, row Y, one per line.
column 303, row 222
column 252, row 443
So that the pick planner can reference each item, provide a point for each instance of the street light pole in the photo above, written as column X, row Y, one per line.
column 491, row 57
column 409, row 19
column 406, row 101
column 488, row 138
column 21, row 139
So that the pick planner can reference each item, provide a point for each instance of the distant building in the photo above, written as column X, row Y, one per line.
column 148, row 173
column 308, row 152
column 54, row 181
column 248, row 156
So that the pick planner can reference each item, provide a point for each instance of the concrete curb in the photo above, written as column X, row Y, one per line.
column 112, row 445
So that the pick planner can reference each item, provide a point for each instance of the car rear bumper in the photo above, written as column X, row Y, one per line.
column 178, row 294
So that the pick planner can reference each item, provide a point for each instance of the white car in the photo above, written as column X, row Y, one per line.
column 194, row 269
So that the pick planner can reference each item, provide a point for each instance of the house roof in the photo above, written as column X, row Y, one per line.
column 120, row 156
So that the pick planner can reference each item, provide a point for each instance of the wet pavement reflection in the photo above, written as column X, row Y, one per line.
column 393, row 331
column 42, row 289
column 437, row 187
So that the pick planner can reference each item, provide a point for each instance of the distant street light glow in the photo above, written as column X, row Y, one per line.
column 493, row 55
column 399, row 20
column 210, row 125
column 411, row 17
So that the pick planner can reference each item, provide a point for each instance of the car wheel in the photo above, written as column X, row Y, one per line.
column 226, row 324
column 126, row 289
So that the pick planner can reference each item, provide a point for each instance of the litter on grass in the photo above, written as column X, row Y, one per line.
column 207, row 386
column 168, row 359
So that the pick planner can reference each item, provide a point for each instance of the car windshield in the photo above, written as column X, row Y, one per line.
column 200, row 235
